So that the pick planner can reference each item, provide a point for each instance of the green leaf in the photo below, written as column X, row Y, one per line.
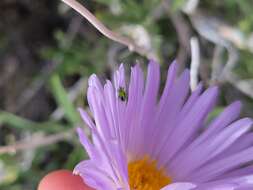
column 214, row 113
column 62, row 99
column 21, row 123
column 15, row 121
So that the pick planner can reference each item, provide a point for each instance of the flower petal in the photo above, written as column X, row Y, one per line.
column 209, row 149
column 180, row 186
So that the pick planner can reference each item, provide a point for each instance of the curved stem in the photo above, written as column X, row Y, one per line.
column 107, row 32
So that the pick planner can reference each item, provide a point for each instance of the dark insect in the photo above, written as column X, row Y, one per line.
column 122, row 94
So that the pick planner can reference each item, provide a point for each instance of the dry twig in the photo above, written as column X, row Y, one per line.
column 216, row 64
column 195, row 62
column 107, row 32
column 183, row 33
column 245, row 86
column 35, row 142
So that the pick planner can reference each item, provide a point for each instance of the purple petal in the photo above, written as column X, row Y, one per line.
column 95, row 177
column 148, row 106
column 189, row 126
column 208, row 150
column 131, row 120
column 180, row 186
column 219, row 167
column 167, row 116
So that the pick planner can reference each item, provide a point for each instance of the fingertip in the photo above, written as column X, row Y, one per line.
column 62, row 180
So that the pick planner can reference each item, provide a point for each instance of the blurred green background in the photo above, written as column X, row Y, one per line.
column 47, row 52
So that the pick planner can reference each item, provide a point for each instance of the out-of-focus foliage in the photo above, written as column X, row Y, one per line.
column 54, row 62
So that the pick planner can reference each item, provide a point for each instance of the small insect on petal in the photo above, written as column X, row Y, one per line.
column 122, row 94
column 62, row 180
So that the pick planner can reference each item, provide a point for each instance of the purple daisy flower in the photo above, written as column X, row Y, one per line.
column 142, row 143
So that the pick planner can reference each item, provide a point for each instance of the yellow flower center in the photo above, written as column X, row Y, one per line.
column 144, row 175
